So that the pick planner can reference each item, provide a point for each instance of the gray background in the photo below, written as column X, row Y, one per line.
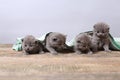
column 37, row 17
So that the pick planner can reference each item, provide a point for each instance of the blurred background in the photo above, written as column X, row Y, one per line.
column 70, row 17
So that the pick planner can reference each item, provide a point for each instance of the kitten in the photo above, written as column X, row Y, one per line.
column 55, row 42
column 82, row 44
column 30, row 45
column 100, row 39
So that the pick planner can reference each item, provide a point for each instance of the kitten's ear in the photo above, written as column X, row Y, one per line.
column 108, row 28
column 94, row 26
column 22, row 39
column 37, row 42
column 65, row 36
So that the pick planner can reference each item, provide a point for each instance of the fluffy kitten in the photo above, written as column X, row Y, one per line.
column 82, row 44
column 100, row 39
column 30, row 45
column 55, row 42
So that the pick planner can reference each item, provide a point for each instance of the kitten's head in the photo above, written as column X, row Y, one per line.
column 101, row 30
column 29, row 43
column 56, row 39
column 82, row 42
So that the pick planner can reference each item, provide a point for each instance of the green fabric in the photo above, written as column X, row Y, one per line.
column 115, row 42
column 18, row 45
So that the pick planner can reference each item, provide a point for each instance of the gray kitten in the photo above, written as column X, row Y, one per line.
column 55, row 42
column 30, row 45
column 82, row 44
column 100, row 39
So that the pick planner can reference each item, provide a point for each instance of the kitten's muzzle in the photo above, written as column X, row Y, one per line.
column 100, row 35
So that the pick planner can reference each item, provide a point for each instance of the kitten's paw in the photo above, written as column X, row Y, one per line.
column 54, row 53
column 25, row 53
column 90, row 52
column 41, row 52
column 78, row 52
column 108, row 51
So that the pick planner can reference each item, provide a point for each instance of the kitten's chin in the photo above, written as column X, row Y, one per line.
column 28, row 51
column 56, row 45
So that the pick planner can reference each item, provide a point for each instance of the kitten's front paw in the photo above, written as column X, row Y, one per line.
column 78, row 52
column 25, row 53
column 108, row 51
column 54, row 53
column 90, row 52
column 41, row 52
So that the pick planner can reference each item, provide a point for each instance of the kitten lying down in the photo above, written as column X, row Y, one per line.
column 82, row 44
column 30, row 45
column 55, row 42
column 100, row 38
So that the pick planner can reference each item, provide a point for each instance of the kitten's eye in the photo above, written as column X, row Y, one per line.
column 84, row 46
column 103, row 32
column 78, row 42
column 25, row 45
column 54, row 39
column 97, row 31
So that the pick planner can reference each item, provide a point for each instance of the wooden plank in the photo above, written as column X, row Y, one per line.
column 100, row 66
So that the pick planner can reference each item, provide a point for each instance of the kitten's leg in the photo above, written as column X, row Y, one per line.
column 106, row 48
column 41, row 51
column 51, row 50
column 94, row 48
column 90, row 52
column 78, row 52
column 26, row 53
column 41, row 48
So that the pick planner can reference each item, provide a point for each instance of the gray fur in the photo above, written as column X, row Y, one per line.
column 100, row 39
column 55, row 42
column 82, row 44
column 30, row 45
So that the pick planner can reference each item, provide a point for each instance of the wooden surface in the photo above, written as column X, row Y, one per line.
column 100, row 66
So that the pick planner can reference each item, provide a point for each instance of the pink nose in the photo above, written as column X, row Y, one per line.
column 100, row 33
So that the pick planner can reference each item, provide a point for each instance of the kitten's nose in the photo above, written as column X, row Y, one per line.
column 28, row 49
column 84, row 46
column 100, row 33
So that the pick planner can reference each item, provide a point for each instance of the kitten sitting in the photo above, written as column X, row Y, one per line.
column 55, row 42
column 100, row 39
column 82, row 44
column 30, row 45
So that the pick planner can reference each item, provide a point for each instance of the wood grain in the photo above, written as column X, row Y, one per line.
column 101, row 66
